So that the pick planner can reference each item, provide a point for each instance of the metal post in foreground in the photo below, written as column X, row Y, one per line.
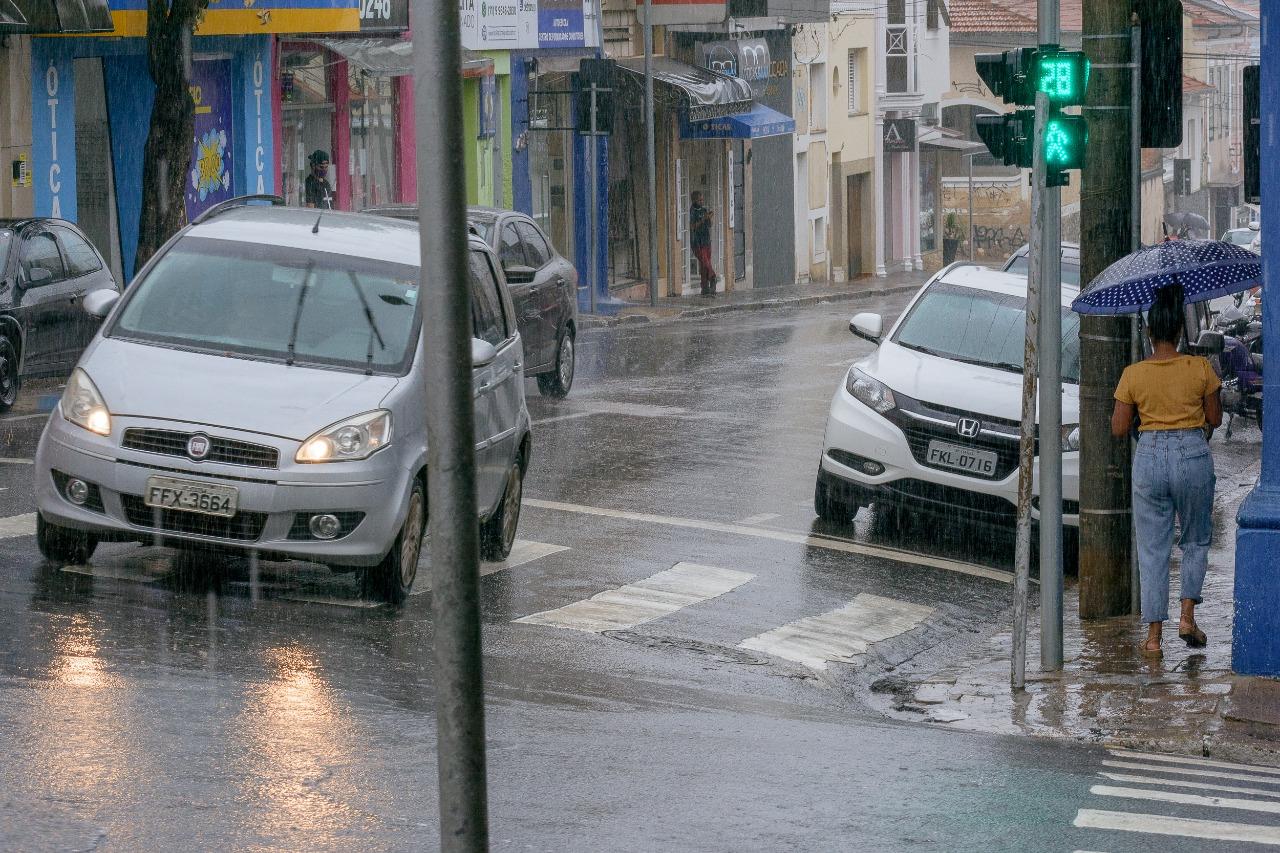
column 1135, row 243
column 1027, row 438
column 969, row 157
column 445, row 297
column 650, row 153
column 593, row 208
column 1050, row 428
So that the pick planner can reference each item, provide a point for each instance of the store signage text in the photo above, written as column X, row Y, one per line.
column 259, row 151
column 55, row 167
column 899, row 135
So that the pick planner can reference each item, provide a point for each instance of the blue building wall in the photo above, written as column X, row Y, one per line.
column 1256, row 641
column 130, row 93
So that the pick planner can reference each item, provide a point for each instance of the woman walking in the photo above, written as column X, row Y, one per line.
column 1176, row 400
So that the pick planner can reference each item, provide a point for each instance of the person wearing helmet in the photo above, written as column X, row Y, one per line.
column 319, row 192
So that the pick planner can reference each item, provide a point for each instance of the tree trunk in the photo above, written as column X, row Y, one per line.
column 167, row 156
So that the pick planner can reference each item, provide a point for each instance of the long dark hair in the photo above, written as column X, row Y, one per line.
column 1166, row 319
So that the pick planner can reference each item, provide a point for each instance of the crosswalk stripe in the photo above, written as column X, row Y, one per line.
column 18, row 525
column 828, row 543
column 841, row 634
column 522, row 551
column 1187, row 771
column 643, row 601
column 1199, row 762
column 1186, row 799
column 1181, row 826
column 1186, row 783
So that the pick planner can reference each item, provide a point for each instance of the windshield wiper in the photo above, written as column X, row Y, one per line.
column 373, row 325
column 297, row 314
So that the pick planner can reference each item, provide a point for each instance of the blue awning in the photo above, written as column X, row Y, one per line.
column 759, row 122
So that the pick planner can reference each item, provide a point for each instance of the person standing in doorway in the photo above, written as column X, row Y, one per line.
column 1176, row 399
column 319, row 192
column 700, row 241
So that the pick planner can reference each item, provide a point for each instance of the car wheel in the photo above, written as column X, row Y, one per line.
column 558, row 382
column 830, row 507
column 498, row 534
column 9, row 379
column 391, row 579
column 62, row 544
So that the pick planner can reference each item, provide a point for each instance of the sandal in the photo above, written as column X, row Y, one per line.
column 1147, row 652
column 1195, row 638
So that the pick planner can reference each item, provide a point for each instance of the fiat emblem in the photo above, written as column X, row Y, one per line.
column 968, row 428
column 198, row 446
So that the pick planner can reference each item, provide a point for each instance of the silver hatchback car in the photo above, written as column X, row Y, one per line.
column 259, row 388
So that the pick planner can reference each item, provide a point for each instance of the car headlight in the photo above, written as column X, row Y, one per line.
column 355, row 438
column 1070, row 437
column 83, row 405
column 875, row 395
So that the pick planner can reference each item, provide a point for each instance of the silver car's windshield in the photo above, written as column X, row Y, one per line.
column 981, row 327
column 249, row 300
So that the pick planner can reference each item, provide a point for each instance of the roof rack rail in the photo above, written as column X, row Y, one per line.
column 238, row 201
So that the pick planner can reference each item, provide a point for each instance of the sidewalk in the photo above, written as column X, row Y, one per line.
column 758, row 298
column 1189, row 702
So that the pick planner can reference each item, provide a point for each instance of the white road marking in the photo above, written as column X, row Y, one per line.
column 1187, row 771
column 523, row 551
column 827, row 543
column 643, row 601
column 634, row 410
column 1186, row 799
column 13, row 460
column 1179, row 826
column 18, row 525
column 25, row 417
column 842, row 634
column 1199, row 762
column 759, row 519
column 1186, row 783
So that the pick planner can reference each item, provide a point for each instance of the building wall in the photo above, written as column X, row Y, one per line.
column 851, row 137
column 15, row 124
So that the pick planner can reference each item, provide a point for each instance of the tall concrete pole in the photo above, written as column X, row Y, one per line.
column 1105, row 236
column 1050, row 421
column 651, row 164
column 445, row 296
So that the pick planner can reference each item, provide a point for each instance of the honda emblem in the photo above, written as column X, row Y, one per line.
column 198, row 446
column 968, row 428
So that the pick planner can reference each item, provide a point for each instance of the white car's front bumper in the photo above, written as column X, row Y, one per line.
column 856, row 435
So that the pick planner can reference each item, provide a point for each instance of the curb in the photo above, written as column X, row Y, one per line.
column 590, row 321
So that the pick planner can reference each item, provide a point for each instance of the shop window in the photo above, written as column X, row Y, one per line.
column 373, row 139
column 928, row 202
column 306, row 117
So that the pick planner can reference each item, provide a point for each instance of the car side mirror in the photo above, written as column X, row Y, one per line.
column 98, row 303
column 1209, row 343
column 867, row 326
column 482, row 353
column 38, row 276
column 519, row 273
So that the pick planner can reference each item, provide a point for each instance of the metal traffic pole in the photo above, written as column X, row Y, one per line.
column 593, row 209
column 445, row 297
column 1050, row 382
column 1135, row 243
column 969, row 157
column 1027, row 437
column 651, row 158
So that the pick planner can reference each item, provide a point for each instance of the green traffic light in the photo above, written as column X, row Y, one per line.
column 1065, row 139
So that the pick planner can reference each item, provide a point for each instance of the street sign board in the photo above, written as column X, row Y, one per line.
column 899, row 135
column 667, row 13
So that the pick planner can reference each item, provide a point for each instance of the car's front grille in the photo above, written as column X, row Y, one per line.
column 241, row 527
column 949, row 499
column 920, row 433
column 228, row 451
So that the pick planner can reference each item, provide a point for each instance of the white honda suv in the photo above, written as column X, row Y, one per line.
column 930, row 420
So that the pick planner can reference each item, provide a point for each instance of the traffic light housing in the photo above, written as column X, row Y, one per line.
column 601, row 72
column 1161, row 36
column 1017, row 76
column 1252, row 134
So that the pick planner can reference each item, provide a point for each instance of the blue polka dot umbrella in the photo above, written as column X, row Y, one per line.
column 1206, row 269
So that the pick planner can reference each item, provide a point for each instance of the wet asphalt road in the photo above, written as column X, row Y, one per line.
column 266, row 707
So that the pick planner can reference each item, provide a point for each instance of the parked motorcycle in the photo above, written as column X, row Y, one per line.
column 1239, row 366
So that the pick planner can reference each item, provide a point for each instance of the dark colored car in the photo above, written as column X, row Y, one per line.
column 543, row 286
column 46, row 268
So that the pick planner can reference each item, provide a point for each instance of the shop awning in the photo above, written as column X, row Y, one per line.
column 703, row 94
column 946, row 143
column 55, row 16
column 393, row 57
column 760, row 122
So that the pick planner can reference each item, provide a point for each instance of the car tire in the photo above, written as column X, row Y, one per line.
column 558, row 382
column 831, row 508
column 391, row 580
column 10, row 381
column 62, row 544
column 498, row 534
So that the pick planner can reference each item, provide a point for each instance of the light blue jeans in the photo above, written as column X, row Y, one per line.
column 1172, row 474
